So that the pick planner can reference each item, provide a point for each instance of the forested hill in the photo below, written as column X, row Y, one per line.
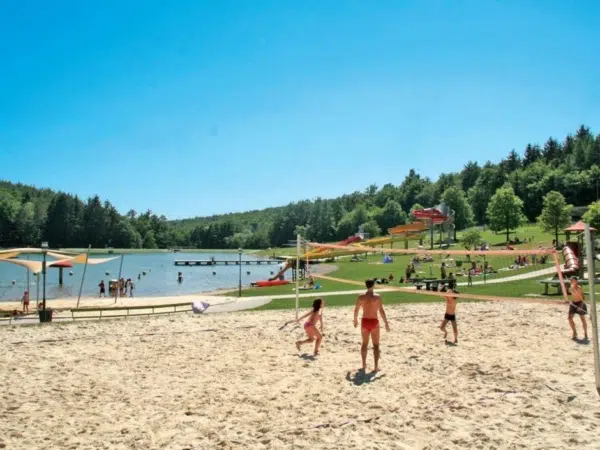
column 570, row 166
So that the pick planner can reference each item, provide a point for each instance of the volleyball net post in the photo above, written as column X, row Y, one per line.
column 590, row 255
column 298, row 243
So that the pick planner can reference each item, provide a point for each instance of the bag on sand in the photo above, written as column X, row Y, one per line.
column 199, row 307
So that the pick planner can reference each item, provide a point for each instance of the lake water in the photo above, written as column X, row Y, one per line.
column 160, row 278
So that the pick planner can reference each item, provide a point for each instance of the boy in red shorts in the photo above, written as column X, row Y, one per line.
column 371, row 305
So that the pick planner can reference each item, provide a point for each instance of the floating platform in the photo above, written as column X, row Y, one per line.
column 224, row 262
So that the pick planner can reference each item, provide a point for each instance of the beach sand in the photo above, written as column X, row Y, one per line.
column 235, row 380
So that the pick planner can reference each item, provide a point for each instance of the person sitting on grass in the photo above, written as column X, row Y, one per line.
column 310, row 326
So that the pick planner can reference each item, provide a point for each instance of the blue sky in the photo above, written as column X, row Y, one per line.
column 193, row 108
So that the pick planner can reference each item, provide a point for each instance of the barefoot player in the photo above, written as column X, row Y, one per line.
column 310, row 326
column 577, row 306
column 450, row 315
column 372, row 306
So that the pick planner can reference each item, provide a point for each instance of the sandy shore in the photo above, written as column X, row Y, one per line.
column 516, row 380
column 66, row 303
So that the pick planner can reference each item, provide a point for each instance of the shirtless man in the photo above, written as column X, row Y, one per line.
column 450, row 315
column 577, row 306
column 371, row 305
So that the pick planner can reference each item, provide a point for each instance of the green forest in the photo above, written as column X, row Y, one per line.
column 537, row 184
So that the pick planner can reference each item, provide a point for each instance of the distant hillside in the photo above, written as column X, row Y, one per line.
column 570, row 166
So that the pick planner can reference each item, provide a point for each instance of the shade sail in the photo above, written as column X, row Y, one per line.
column 36, row 266
column 8, row 255
column 33, row 251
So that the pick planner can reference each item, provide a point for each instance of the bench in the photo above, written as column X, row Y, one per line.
column 128, row 311
column 556, row 283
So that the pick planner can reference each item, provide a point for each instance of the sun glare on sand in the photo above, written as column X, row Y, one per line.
column 515, row 380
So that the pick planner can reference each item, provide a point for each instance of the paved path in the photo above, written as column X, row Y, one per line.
column 522, row 276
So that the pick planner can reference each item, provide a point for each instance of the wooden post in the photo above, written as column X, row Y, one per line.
column 87, row 255
column 298, row 238
column 592, row 288
column 60, row 276
column 431, row 232
column 118, row 288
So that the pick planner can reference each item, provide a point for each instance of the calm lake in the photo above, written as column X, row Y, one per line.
column 160, row 278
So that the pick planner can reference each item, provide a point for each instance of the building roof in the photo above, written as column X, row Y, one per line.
column 579, row 227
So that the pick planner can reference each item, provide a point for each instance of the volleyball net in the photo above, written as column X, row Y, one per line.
column 536, row 275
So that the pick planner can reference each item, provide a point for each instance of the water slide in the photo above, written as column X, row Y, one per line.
column 316, row 253
column 287, row 265
column 320, row 250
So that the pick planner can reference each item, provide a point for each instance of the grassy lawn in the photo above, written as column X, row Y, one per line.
column 372, row 269
column 390, row 298
column 359, row 271
column 525, row 232
column 538, row 236
column 520, row 289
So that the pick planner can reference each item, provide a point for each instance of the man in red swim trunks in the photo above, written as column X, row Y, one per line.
column 371, row 305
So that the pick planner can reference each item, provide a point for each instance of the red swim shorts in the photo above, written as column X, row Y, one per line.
column 369, row 324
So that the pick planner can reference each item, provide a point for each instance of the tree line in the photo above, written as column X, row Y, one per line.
column 501, row 195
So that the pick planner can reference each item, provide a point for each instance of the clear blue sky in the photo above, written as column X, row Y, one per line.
column 192, row 108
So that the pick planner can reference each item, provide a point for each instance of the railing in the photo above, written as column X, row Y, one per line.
column 129, row 311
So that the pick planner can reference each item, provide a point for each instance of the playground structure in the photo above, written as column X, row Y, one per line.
column 572, row 250
column 441, row 216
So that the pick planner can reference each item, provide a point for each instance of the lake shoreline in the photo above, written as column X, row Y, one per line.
column 71, row 302
column 147, row 251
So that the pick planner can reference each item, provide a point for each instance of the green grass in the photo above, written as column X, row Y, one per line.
column 370, row 269
column 390, row 298
column 534, row 231
column 360, row 271
column 520, row 289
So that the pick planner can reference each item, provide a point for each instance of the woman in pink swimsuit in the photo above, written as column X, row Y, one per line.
column 310, row 326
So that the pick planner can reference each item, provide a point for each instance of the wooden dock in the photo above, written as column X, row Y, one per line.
column 224, row 262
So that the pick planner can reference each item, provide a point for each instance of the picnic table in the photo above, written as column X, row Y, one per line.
column 431, row 284
column 556, row 283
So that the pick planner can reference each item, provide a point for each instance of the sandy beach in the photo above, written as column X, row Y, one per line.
column 235, row 380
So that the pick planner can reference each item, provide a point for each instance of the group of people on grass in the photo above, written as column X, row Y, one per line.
column 372, row 308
